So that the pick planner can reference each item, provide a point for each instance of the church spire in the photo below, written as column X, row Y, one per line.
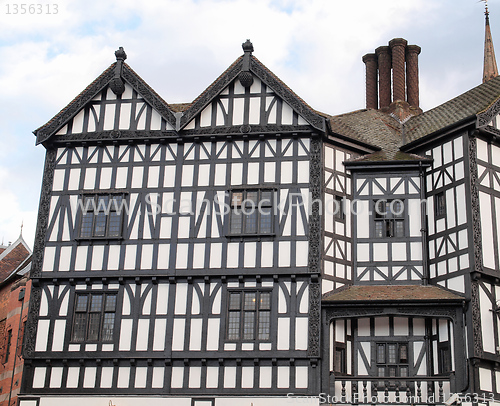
column 490, row 69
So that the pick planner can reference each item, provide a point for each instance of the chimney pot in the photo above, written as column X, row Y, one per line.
column 370, row 61
column 398, row 47
column 384, row 69
column 412, row 86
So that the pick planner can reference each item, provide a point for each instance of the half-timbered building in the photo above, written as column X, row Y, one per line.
column 246, row 249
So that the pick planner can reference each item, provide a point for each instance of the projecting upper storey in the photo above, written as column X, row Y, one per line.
column 246, row 99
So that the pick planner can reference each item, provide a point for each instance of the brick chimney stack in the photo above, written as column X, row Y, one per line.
column 412, row 93
column 370, row 61
column 399, row 62
column 398, row 47
column 384, row 73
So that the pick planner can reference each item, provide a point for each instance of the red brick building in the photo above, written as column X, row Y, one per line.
column 15, row 264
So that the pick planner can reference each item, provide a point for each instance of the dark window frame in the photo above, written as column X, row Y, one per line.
column 340, row 358
column 387, row 222
column 95, row 223
column 392, row 359
column 247, row 324
column 339, row 214
column 94, row 325
column 440, row 205
column 250, row 220
column 444, row 358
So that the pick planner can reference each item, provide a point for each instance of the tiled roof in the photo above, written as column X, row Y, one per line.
column 375, row 128
column 361, row 293
column 13, row 257
column 179, row 107
column 467, row 105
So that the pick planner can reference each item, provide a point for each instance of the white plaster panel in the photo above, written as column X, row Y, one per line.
column 106, row 377
column 283, row 333
column 163, row 256
column 229, row 377
column 194, row 377
column 247, row 377
column 382, row 326
column 39, row 377
column 73, row 377
column 212, row 377
column 284, row 254
column 143, row 335
column 286, row 172
column 123, row 377
column 58, row 337
column 42, row 335
column 178, row 335
column 283, row 377
column 125, row 335
column 482, row 150
column 249, row 256
column 56, row 377
column 487, row 230
column 114, row 257
column 301, row 333
column 158, row 377
column 236, row 174
column 266, row 375
column 141, row 374
column 253, row 173
column 485, row 380
column 89, row 377
column 380, row 252
column 195, row 337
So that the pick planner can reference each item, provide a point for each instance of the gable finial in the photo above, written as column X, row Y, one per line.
column 245, row 77
column 116, row 84
column 120, row 54
column 247, row 46
column 22, row 224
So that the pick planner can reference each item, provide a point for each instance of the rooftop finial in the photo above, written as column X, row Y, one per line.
column 490, row 69
column 116, row 84
column 22, row 223
column 120, row 54
column 246, row 78
column 247, row 46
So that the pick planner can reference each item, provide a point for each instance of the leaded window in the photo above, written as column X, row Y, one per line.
column 249, row 315
column 389, row 218
column 102, row 215
column 440, row 205
column 94, row 317
column 251, row 212
column 392, row 360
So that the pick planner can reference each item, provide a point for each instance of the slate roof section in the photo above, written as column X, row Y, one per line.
column 465, row 106
column 376, row 128
column 15, row 257
column 384, row 293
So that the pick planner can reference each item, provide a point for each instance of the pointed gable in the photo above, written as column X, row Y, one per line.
column 13, row 258
column 248, row 97
column 101, row 112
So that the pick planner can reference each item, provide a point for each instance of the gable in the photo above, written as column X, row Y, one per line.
column 236, row 106
column 248, row 97
column 109, row 112
column 100, row 113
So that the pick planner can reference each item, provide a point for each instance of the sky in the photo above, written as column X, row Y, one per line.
column 52, row 52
